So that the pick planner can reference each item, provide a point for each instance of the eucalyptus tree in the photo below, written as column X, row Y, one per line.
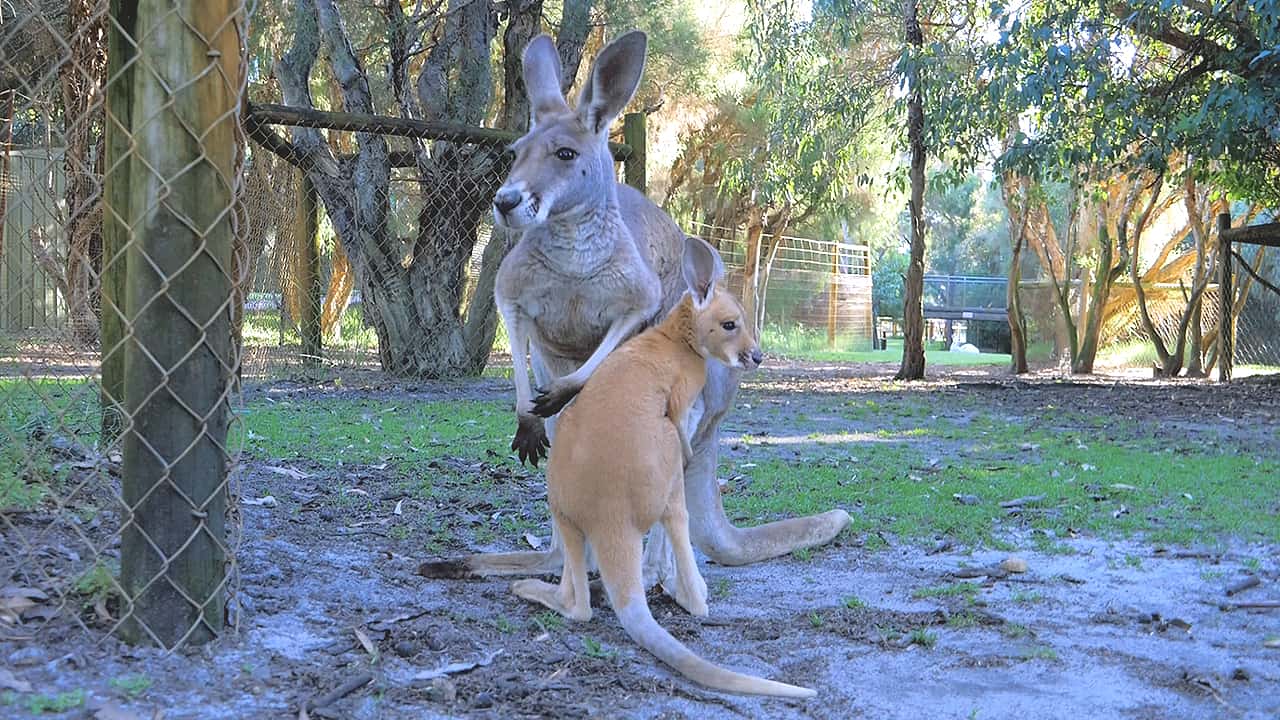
column 456, row 61
column 1106, row 96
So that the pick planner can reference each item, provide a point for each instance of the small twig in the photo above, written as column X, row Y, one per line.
column 1250, row 605
column 992, row 571
column 341, row 691
column 1019, row 502
column 1242, row 585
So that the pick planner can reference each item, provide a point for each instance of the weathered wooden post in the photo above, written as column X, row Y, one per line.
column 833, row 296
column 1226, row 341
column 308, row 275
column 181, row 106
column 633, row 134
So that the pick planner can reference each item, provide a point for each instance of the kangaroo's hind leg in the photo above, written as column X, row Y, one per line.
column 691, row 588
column 572, row 597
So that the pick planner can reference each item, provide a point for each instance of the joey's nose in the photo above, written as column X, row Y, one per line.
column 506, row 200
column 757, row 357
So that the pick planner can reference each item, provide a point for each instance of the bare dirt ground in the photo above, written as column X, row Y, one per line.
column 1116, row 629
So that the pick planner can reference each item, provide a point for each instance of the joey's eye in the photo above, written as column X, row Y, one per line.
column 566, row 154
column 729, row 325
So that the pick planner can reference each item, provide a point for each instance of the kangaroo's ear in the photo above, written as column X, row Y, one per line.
column 702, row 267
column 541, row 65
column 614, row 77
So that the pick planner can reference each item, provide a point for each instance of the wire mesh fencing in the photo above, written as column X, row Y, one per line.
column 120, row 148
column 808, row 296
column 1255, row 311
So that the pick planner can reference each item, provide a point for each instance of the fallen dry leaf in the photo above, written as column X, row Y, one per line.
column 366, row 643
column 533, row 540
column 9, row 682
column 290, row 472
column 399, row 507
column 267, row 501
column 458, row 667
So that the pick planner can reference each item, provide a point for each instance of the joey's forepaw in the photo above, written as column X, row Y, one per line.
column 530, row 442
column 552, row 400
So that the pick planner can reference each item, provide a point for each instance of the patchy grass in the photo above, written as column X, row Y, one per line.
column 35, row 416
column 132, row 686
column 966, row 590
column 60, row 703
column 905, row 470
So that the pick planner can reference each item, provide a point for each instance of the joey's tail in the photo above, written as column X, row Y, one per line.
column 640, row 625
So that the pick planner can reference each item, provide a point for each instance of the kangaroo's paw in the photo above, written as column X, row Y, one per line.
column 531, row 441
column 554, row 398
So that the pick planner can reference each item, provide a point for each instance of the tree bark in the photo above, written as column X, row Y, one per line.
column 81, row 78
column 912, row 367
column 121, row 53
column 1016, row 199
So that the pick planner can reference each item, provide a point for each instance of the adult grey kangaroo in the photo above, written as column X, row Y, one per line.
column 597, row 262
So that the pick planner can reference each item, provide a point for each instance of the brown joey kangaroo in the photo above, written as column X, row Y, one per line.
column 617, row 467
column 596, row 261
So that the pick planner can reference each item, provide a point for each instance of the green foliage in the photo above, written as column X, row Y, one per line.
column 60, row 703
column 887, row 282
column 132, row 686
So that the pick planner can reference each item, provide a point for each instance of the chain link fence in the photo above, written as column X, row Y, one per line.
column 808, row 296
column 119, row 168
column 304, row 304
column 1256, row 310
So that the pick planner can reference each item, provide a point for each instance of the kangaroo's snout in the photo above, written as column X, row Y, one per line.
column 506, row 200
column 757, row 357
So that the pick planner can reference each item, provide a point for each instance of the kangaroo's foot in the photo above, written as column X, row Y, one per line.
column 536, row 562
column 531, row 441
column 553, row 399
column 551, row 596
column 728, row 545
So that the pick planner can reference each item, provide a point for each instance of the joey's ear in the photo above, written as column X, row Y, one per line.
column 702, row 268
column 613, row 79
column 541, row 65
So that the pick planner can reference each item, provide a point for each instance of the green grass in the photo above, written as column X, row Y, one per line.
column 33, row 414
column 966, row 590
column 923, row 638
column 131, row 686
column 800, row 343
column 1173, row 490
column 60, row 703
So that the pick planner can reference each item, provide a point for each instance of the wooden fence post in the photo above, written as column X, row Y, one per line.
column 1226, row 342
column 633, row 134
column 833, row 297
column 308, row 275
column 182, row 98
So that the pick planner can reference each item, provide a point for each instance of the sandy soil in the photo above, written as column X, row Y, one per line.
column 1114, row 630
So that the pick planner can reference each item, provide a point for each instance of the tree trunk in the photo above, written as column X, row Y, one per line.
column 416, row 305
column 81, row 79
column 121, row 53
column 913, row 291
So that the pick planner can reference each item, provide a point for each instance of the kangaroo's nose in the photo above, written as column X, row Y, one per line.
column 506, row 200
column 757, row 357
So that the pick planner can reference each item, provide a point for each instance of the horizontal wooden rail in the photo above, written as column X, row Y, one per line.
column 388, row 125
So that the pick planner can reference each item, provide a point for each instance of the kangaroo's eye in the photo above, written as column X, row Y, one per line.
column 729, row 325
column 566, row 154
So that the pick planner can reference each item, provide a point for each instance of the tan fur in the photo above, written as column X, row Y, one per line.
column 617, row 468
column 597, row 261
